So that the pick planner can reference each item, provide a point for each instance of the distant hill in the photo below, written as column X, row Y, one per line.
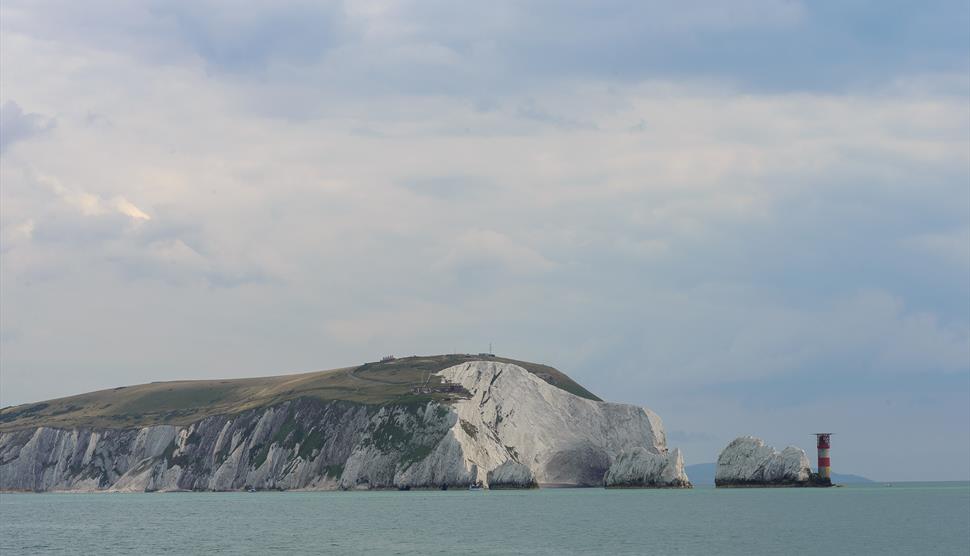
column 186, row 401
column 703, row 474
column 846, row 478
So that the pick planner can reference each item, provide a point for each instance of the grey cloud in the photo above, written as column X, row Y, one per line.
column 17, row 125
column 757, row 45
column 229, row 36
column 529, row 110
column 177, row 264
column 94, row 234
column 415, row 48
column 234, row 36
column 449, row 188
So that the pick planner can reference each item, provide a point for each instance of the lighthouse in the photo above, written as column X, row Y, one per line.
column 824, row 462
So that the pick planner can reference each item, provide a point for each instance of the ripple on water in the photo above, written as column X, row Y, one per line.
column 905, row 519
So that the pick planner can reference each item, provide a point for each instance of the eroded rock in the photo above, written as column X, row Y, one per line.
column 747, row 461
column 641, row 467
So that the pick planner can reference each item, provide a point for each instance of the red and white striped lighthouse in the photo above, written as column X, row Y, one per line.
column 824, row 462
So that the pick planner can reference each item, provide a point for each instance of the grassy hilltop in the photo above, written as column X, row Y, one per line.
column 185, row 401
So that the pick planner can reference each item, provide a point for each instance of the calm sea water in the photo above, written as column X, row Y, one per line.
column 907, row 518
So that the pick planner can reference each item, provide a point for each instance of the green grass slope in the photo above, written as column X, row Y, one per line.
column 185, row 401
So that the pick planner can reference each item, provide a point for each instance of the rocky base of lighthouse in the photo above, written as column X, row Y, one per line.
column 803, row 484
column 748, row 462
column 815, row 481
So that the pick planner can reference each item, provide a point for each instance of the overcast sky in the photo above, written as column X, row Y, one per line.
column 750, row 216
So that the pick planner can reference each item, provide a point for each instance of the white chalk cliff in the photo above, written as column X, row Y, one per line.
column 747, row 461
column 514, row 430
column 563, row 439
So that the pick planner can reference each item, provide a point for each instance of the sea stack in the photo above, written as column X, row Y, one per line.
column 644, row 468
column 748, row 462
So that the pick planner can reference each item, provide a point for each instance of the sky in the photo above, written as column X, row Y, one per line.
column 752, row 217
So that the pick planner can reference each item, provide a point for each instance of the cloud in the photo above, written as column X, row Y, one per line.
column 414, row 47
column 90, row 204
column 530, row 111
column 449, row 188
column 232, row 37
column 952, row 246
column 483, row 250
column 26, row 230
column 16, row 125
column 124, row 206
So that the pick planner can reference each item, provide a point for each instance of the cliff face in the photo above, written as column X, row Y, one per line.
column 515, row 430
column 513, row 416
column 747, row 461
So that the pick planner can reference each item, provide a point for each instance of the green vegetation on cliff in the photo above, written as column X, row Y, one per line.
column 186, row 401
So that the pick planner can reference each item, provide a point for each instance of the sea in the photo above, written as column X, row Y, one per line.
column 902, row 518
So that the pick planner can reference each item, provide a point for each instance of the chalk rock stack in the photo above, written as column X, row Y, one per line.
column 747, row 461
column 642, row 467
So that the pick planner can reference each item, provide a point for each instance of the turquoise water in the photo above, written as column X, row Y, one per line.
column 914, row 518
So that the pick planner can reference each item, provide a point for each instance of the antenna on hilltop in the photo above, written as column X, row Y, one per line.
column 490, row 347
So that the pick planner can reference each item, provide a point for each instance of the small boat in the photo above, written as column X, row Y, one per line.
column 251, row 489
column 476, row 486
